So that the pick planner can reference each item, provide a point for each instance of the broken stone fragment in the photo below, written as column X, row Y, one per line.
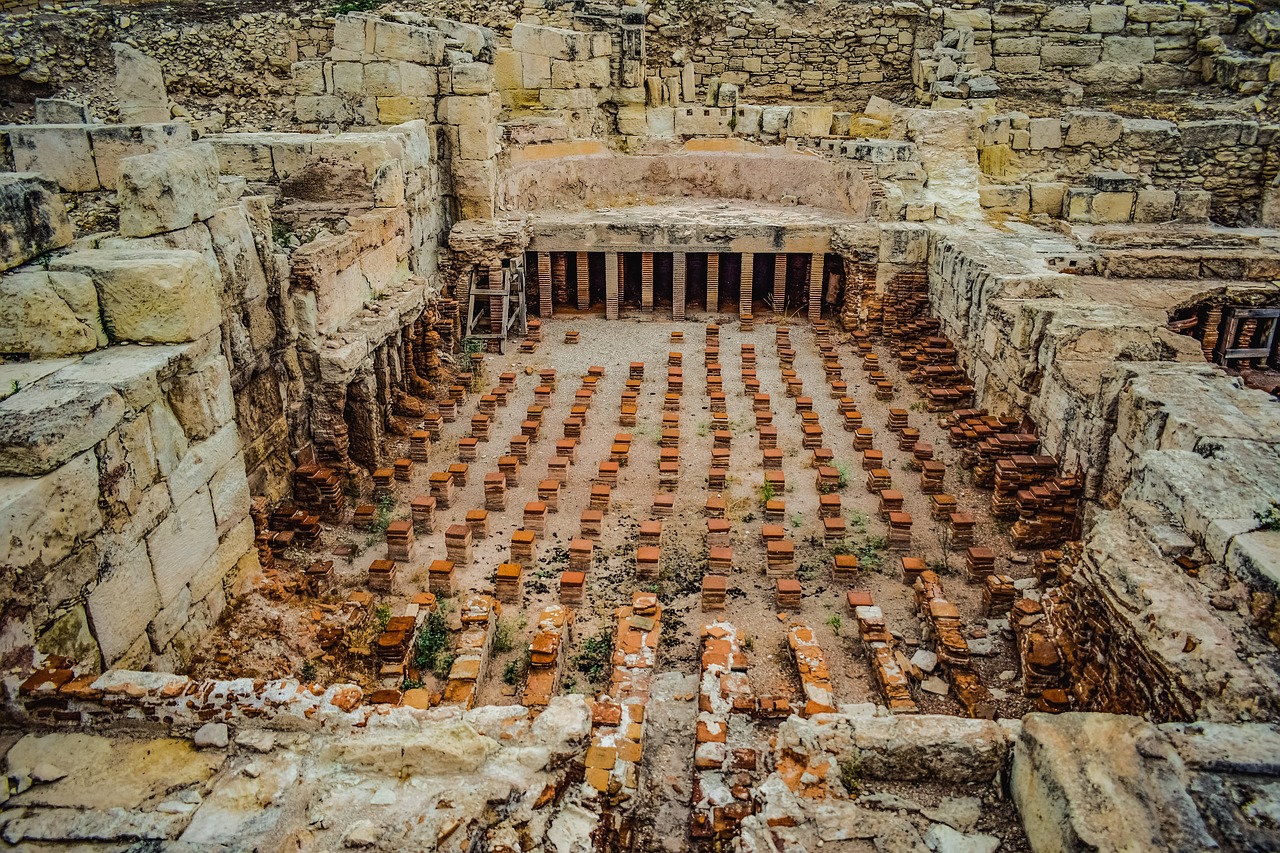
column 213, row 735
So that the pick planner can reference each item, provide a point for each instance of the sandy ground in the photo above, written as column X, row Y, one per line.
column 271, row 637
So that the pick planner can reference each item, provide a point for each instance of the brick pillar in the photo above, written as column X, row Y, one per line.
column 745, row 282
column 495, row 302
column 815, row 285
column 544, row 284
column 780, row 283
column 612, row 284
column 559, row 283
column 677, row 285
column 646, row 280
column 584, row 281
column 713, row 281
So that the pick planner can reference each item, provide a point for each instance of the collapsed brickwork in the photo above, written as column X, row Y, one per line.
column 230, row 356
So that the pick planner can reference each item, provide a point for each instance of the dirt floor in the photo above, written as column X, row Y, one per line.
column 272, row 634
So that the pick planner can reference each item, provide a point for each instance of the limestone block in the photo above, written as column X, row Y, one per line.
column 113, row 142
column 169, row 620
column 1128, row 51
column 773, row 120
column 568, row 99
column 46, row 518
column 229, row 491
column 974, row 19
column 181, row 544
column 472, row 78
column 49, row 314
column 633, row 121
column 352, row 37
column 1014, row 198
column 243, row 278
column 535, row 70
column 1047, row 198
column 139, row 87
column 1150, row 133
column 167, row 190
column 121, row 606
column 1016, row 45
column 411, row 44
column 234, row 549
column 150, row 296
column 1069, row 19
column 904, row 244
column 475, row 183
column 1079, row 204
column 841, row 123
column 702, row 121
column 507, row 73
column 558, row 43
column 201, row 398
column 41, row 427
column 62, row 111
column 1112, row 207
column 1155, row 206
column 311, row 109
column 1106, row 19
column 1145, row 13
column 748, row 123
column 809, row 121
column 1017, row 64
column 1210, row 135
column 1069, row 55
column 32, row 218
column 1193, row 205
column 244, row 155
column 661, row 122
column 60, row 152
column 416, row 81
column 398, row 110
column 348, row 78
column 1091, row 127
column 308, row 77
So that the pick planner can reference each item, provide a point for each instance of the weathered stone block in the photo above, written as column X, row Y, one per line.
column 167, row 190
column 1016, row 45
column 1111, row 207
column 1106, row 19
column 1210, row 135
column 49, row 314
column 471, row 78
column 398, row 110
column 32, row 219
column 808, row 121
column 1155, row 206
column 1069, row 55
column 61, row 153
column 122, row 605
column 1017, row 64
column 773, row 120
column 46, row 518
column 44, row 426
column 1047, row 198
column 394, row 41
column 181, row 544
column 62, row 111
column 149, row 296
column 140, row 87
column 974, row 19
column 1145, row 13
column 1149, row 133
column 1069, row 19
column 113, row 142
column 1090, row 127
column 1128, row 51
column 308, row 77
column 1015, row 198
column 348, row 78
column 1193, row 205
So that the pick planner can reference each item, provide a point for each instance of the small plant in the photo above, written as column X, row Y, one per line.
column 858, row 520
column 704, row 428
column 280, row 233
column 917, row 407
column 354, row 6
column 514, row 672
column 471, row 346
column 432, row 640
column 767, row 493
column 796, row 519
column 748, row 643
column 593, row 660
column 444, row 663
column 1269, row 518
column 381, row 616
column 386, row 504
column 504, row 637
column 835, row 623
column 653, row 587
column 870, row 553
column 843, row 468
column 1208, row 449
column 410, row 684
column 850, row 774
column 308, row 670
column 571, row 685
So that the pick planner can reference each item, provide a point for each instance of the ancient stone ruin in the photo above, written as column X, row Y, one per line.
column 575, row 426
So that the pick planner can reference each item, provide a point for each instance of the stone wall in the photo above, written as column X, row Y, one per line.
column 124, row 491
column 1169, row 609
column 1075, row 167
